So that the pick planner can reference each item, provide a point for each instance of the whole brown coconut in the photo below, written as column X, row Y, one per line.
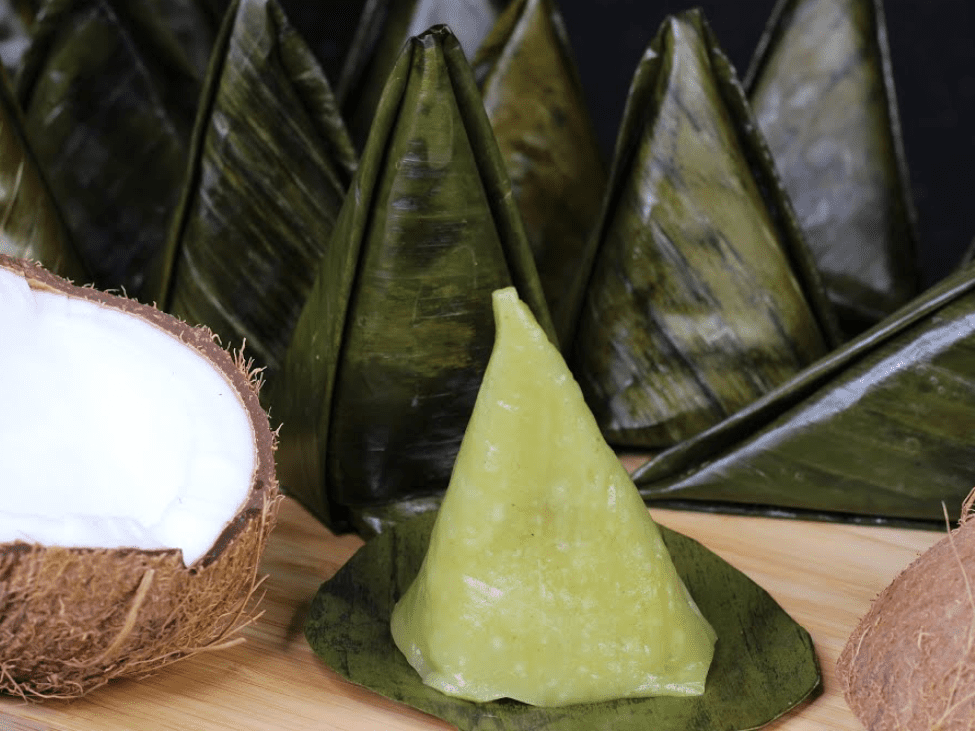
column 910, row 663
column 73, row 618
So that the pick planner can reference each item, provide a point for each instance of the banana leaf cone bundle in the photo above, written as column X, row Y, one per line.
column 548, row 144
column 384, row 26
column 23, row 10
column 331, row 28
column 108, row 90
column 16, row 17
column 270, row 163
column 823, row 95
column 703, row 295
column 389, row 351
column 880, row 430
column 967, row 256
column 31, row 226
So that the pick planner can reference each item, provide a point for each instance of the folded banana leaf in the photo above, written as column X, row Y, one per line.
column 823, row 94
column 16, row 17
column 764, row 663
column 369, row 17
column 333, row 30
column 24, row 10
column 385, row 26
column 549, row 145
column 968, row 255
column 270, row 164
column 703, row 295
column 184, row 29
column 389, row 351
column 880, row 430
column 30, row 223
column 109, row 92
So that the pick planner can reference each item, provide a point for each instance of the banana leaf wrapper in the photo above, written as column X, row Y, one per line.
column 822, row 91
column 369, row 22
column 390, row 349
column 30, row 222
column 333, row 29
column 537, row 109
column 764, row 663
column 879, row 431
column 271, row 162
column 185, row 30
column 109, row 92
column 16, row 18
column 967, row 256
column 24, row 10
column 703, row 295
column 385, row 25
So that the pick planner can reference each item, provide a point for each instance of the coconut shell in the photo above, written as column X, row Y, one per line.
column 910, row 663
column 71, row 619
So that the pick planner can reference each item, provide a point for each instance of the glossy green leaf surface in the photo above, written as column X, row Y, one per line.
column 549, row 146
column 823, row 95
column 968, row 255
column 16, row 17
column 385, row 25
column 271, row 163
column 881, row 429
column 703, row 295
column 389, row 351
column 369, row 17
column 764, row 662
column 30, row 222
column 109, row 91
column 332, row 30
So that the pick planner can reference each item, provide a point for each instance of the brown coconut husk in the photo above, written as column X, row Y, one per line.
column 72, row 619
column 910, row 663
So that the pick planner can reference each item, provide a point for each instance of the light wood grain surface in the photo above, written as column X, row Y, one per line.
column 824, row 575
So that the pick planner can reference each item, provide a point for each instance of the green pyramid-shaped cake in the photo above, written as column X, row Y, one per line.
column 546, row 580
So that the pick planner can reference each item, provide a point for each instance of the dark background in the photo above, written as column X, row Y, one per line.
column 932, row 44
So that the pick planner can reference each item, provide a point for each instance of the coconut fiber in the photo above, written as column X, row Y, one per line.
column 910, row 664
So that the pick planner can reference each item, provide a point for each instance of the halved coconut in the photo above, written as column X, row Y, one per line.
column 137, row 487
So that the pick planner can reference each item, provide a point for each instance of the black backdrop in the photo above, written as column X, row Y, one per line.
column 932, row 46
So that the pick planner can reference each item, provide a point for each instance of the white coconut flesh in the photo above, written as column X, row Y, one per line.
column 114, row 433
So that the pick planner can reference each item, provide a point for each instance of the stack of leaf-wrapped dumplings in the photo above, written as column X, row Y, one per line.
column 735, row 293
column 730, row 293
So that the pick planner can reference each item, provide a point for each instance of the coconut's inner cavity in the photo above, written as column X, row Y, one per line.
column 114, row 433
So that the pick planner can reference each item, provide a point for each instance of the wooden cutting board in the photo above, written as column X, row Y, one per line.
column 274, row 681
